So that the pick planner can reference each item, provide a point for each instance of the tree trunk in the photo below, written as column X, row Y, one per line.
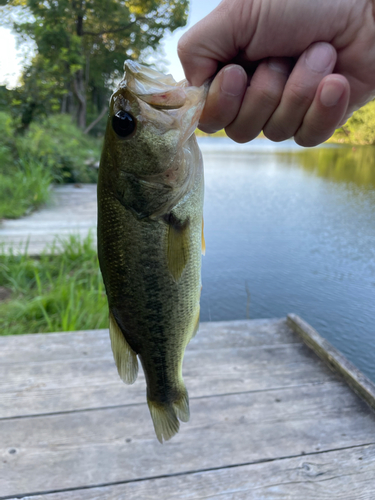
column 97, row 120
column 79, row 77
column 79, row 90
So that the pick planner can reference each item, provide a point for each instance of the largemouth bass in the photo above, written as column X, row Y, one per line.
column 150, row 239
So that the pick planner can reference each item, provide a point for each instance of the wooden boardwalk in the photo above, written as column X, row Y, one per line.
column 72, row 210
column 269, row 420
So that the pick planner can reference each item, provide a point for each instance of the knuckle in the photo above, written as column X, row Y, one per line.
column 299, row 95
column 269, row 95
column 187, row 48
column 183, row 49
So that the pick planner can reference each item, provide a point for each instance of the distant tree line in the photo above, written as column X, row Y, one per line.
column 81, row 46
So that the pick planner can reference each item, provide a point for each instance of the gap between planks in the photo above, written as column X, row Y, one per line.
column 25, row 496
column 204, row 396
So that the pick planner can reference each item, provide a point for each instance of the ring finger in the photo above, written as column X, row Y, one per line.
column 261, row 99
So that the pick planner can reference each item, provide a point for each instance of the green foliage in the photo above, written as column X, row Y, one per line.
column 39, row 95
column 58, row 292
column 23, row 188
column 81, row 47
column 53, row 150
column 62, row 148
column 5, row 98
column 347, row 164
column 359, row 129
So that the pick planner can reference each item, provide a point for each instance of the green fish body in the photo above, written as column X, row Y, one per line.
column 150, row 240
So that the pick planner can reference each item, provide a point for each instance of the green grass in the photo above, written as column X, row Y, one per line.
column 23, row 188
column 56, row 292
column 53, row 150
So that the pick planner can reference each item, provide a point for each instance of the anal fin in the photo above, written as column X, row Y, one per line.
column 125, row 358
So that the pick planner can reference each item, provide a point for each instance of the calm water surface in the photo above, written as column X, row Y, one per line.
column 292, row 230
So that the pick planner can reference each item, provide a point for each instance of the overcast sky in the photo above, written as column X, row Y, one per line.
column 11, row 59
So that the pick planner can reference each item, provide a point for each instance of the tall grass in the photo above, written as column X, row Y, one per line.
column 23, row 188
column 60, row 291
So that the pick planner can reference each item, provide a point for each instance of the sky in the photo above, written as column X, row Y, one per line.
column 11, row 58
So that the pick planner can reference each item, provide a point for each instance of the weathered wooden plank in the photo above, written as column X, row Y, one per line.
column 339, row 475
column 55, row 386
column 91, row 343
column 334, row 359
column 98, row 447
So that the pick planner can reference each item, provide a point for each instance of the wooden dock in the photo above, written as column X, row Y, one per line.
column 71, row 211
column 269, row 420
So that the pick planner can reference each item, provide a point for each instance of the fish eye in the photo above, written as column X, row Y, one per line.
column 123, row 123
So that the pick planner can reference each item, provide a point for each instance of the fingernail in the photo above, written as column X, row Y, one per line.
column 319, row 57
column 331, row 93
column 234, row 81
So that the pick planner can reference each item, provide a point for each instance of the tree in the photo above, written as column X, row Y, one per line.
column 81, row 47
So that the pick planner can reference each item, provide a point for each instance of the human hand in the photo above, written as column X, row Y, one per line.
column 315, row 65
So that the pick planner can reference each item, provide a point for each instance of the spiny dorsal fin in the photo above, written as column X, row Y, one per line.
column 178, row 245
column 125, row 358
column 203, row 241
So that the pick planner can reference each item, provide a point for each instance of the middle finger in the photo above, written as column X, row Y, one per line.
column 313, row 65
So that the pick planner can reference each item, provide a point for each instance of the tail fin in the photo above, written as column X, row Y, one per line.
column 166, row 416
column 125, row 358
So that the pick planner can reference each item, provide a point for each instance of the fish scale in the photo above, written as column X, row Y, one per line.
column 150, row 206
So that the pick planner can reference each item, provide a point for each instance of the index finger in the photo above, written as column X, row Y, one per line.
column 206, row 44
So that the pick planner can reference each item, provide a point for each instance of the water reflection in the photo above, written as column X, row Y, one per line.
column 292, row 230
column 341, row 164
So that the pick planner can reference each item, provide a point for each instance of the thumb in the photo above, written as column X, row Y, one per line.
column 211, row 41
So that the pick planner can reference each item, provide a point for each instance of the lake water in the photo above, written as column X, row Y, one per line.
column 292, row 230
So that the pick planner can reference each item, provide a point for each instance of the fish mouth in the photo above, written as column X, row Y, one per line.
column 158, row 90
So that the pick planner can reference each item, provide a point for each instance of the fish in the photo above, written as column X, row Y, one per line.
column 150, row 234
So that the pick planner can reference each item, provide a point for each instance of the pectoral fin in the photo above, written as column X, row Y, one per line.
column 125, row 358
column 178, row 246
